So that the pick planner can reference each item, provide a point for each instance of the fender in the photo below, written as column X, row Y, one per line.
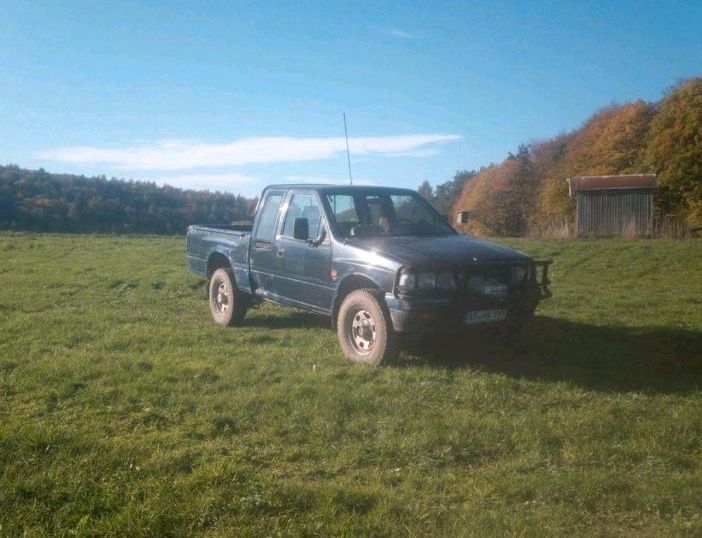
column 351, row 282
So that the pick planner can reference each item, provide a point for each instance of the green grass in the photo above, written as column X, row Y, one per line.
column 125, row 411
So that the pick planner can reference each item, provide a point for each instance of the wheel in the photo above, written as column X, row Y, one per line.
column 364, row 328
column 227, row 305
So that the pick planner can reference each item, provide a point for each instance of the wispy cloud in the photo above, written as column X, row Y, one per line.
column 204, row 181
column 185, row 154
column 326, row 179
column 401, row 34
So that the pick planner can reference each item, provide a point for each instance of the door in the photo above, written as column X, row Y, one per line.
column 304, row 270
column 263, row 254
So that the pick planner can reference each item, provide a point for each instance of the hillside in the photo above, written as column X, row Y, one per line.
column 527, row 192
column 39, row 201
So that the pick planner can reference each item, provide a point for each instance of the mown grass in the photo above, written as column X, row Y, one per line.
column 125, row 411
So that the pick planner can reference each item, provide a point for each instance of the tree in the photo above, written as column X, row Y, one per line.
column 446, row 194
column 39, row 201
column 425, row 191
column 500, row 198
column 674, row 152
column 611, row 141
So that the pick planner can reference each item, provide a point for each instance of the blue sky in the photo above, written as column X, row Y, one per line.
column 235, row 95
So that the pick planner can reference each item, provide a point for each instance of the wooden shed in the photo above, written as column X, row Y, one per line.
column 613, row 205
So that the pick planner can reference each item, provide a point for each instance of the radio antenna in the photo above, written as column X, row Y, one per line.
column 348, row 153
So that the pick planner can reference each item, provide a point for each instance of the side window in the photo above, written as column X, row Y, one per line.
column 266, row 220
column 303, row 206
column 344, row 209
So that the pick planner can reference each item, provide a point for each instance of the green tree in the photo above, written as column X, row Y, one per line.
column 446, row 194
column 425, row 191
column 39, row 201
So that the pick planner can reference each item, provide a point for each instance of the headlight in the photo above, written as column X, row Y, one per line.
column 426, row 280
column 445, row 280
column 407, row 281
column 519, row 274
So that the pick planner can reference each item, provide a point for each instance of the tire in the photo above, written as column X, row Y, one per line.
column 227, row 304
column 364, row 328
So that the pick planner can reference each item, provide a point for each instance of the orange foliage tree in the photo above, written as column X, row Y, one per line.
column 610, row 142
column 528, row 192
column 674, row 152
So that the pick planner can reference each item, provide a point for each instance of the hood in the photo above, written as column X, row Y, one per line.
column 449, row 249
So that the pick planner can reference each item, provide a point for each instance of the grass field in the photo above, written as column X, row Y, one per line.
column 125, row 411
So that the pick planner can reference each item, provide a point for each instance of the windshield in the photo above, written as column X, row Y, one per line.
column 384, row 213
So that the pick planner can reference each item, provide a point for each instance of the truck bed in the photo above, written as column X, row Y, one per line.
column 224, row 227
column 228, row 240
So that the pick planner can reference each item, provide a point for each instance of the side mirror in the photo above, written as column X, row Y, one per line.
column 301, row 229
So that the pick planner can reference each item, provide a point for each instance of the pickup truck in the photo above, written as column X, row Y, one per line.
column 378, row 261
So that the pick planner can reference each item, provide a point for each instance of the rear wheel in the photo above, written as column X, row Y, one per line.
column 228, row 306
column 364, row 328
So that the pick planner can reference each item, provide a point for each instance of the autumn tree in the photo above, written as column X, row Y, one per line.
column 612, row 141
column 446, row 193
column 674, row 152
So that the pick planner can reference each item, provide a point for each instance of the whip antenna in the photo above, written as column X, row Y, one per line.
column 348, row 153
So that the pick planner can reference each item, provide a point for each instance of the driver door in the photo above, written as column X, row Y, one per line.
column 305, row 265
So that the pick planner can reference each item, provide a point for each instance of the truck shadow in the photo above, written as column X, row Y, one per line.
column 288, row 319
column 611, row 359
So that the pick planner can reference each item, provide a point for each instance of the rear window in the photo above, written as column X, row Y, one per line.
column 266, row 221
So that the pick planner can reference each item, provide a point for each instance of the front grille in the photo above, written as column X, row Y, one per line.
column 476, row 277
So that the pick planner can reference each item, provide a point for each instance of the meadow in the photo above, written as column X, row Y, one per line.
column 124, row 411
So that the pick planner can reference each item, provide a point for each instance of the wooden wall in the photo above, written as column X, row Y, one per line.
column 614, row 212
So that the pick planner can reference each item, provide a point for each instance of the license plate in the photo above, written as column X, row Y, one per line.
column 494, row 290
column 484, row 316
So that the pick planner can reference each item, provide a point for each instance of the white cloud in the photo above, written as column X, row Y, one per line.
column 402, row 34
column 204, row 181
column 326, row 179
column 186, row 154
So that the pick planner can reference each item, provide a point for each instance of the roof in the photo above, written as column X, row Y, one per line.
column 331, row 186
column 597, row 183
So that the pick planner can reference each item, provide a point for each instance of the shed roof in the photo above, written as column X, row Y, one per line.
column 597, row 183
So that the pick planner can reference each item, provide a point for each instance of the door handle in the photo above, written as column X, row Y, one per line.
column 263, row 245
column 280, row 252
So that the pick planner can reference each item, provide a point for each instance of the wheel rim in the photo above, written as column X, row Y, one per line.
column 222, row 298
column 361, row 331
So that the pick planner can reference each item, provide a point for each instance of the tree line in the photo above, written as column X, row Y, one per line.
column 527, row 192
column 36, row 200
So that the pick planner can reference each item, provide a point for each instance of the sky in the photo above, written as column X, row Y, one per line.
column 233, row 95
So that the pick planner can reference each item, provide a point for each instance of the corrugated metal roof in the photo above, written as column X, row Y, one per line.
column 596, row 183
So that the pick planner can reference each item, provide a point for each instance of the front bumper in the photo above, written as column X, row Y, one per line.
column 431, row 313
column 449, row 314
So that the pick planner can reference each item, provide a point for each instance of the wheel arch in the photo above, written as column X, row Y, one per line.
column 215, row 261
column 351, row 283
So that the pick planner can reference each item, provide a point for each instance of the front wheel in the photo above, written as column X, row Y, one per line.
column 228, row 306
column 364, row 329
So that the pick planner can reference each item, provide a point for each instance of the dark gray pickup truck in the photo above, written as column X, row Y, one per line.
column 378, row 261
